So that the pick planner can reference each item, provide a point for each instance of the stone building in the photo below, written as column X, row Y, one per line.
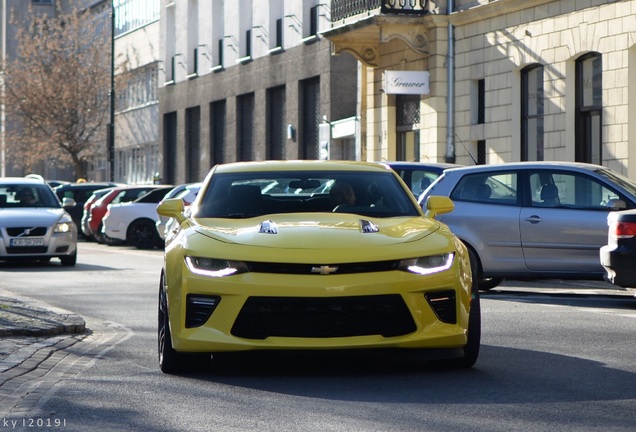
column 248, row 80
column 506, row 80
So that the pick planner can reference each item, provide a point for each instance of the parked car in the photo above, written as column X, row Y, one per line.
column 419, row 175
column 80, row 193
column 135, row 222
column 533, row 219
column 33, row 223
column 120, row 194
column 188, row 194
column 87, row 206
column 296, row 270
column 619, row 254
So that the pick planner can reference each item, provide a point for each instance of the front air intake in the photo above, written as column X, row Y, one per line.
column 199, row 308
column 443, row 304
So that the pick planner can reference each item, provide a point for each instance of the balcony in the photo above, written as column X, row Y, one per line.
column 342, row 9
column 360, row 26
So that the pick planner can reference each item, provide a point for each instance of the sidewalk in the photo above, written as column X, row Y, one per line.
column 26, row 325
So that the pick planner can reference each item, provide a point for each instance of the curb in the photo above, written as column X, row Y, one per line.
column 21, row 318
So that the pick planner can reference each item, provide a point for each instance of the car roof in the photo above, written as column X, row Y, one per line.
column 527, row 165
column 300, row 165
column 20, row 181
column 406, row 164
column 99, row 185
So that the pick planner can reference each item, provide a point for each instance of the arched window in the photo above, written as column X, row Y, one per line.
column 532, row 98
column 589, row 108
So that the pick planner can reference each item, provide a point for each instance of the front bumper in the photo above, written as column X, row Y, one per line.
column 52, row 245
column 257, row 311
column 618, row 262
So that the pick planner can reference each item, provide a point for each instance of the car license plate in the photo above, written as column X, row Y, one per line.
column 16, row 242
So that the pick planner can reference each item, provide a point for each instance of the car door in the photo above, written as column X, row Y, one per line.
column 564, row 234
column 486, row 217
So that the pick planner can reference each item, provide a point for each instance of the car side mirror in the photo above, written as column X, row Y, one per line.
column 438, row 205
column 172, row 208
column 616, row 204
column 68, row 203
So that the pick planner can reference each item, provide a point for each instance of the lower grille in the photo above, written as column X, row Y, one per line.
column 319, row 317
column 27, row 250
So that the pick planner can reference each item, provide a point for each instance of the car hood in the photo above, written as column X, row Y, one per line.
column 30, row 216
column 318, row 232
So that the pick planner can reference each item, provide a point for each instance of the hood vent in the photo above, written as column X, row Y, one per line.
column 268, row 227
column 368, row 226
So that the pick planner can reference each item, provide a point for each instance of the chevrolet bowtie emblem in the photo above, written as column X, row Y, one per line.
column 324, row 270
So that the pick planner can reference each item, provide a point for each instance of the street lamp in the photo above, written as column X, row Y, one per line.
column 110, row 133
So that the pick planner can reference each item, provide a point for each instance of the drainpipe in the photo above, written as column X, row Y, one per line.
column 450, row 91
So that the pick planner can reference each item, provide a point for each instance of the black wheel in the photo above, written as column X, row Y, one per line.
column 143, row 234
column 170, row 361
column 99, row 237
column 69, row 260
column 484, row 284
column 471, row 349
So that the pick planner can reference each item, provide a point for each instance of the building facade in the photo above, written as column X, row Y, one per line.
column 508, row 80
column 136, row 62
column 250, row 80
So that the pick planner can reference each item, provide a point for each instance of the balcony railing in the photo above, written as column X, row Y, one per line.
column 341, row 9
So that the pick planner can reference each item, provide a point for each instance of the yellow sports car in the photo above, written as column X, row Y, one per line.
column 313, row 255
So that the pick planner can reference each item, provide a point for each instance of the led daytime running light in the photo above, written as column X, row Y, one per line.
column 429, row 264
column 212, row 267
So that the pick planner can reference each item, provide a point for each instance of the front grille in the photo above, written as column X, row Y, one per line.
column 348, row 268
column 444, row 305
column 319, row 317
column 33, row 232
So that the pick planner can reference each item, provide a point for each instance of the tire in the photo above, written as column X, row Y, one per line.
column 143, row 234
column 170, row 361
column 99, row 237
column 471, row 349
column 69, row 260
column 484, row 284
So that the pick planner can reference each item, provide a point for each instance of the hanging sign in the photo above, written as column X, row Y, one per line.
column 406, row 82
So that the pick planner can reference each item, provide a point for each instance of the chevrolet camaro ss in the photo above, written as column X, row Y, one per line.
column 313, row 255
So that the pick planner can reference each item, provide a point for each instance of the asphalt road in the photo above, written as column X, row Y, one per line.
column 556, row 356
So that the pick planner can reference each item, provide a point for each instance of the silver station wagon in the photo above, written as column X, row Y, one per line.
column 533, row 219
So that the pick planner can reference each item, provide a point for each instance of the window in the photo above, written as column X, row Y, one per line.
column 132, row 14
column 192, row 145
column 568, row 190
column 407, row 109
column 532, row 98
column 245, row 127
column 311, row 119
column 276, row 124
column 589, row 106
column 481, row 101
column 217, row 133
column 496, row 188
column 42, row 2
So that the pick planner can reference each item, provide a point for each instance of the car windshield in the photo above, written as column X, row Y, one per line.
column 619, row 179
column 27, row 195
column 243, row 195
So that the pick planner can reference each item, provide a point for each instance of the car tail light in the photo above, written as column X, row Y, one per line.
column 621, row 230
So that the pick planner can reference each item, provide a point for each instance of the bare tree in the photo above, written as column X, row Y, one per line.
column 56, row 93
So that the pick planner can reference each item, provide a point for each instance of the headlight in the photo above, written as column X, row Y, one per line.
column 213, row 267
column 62, row 227
column 428, row 264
